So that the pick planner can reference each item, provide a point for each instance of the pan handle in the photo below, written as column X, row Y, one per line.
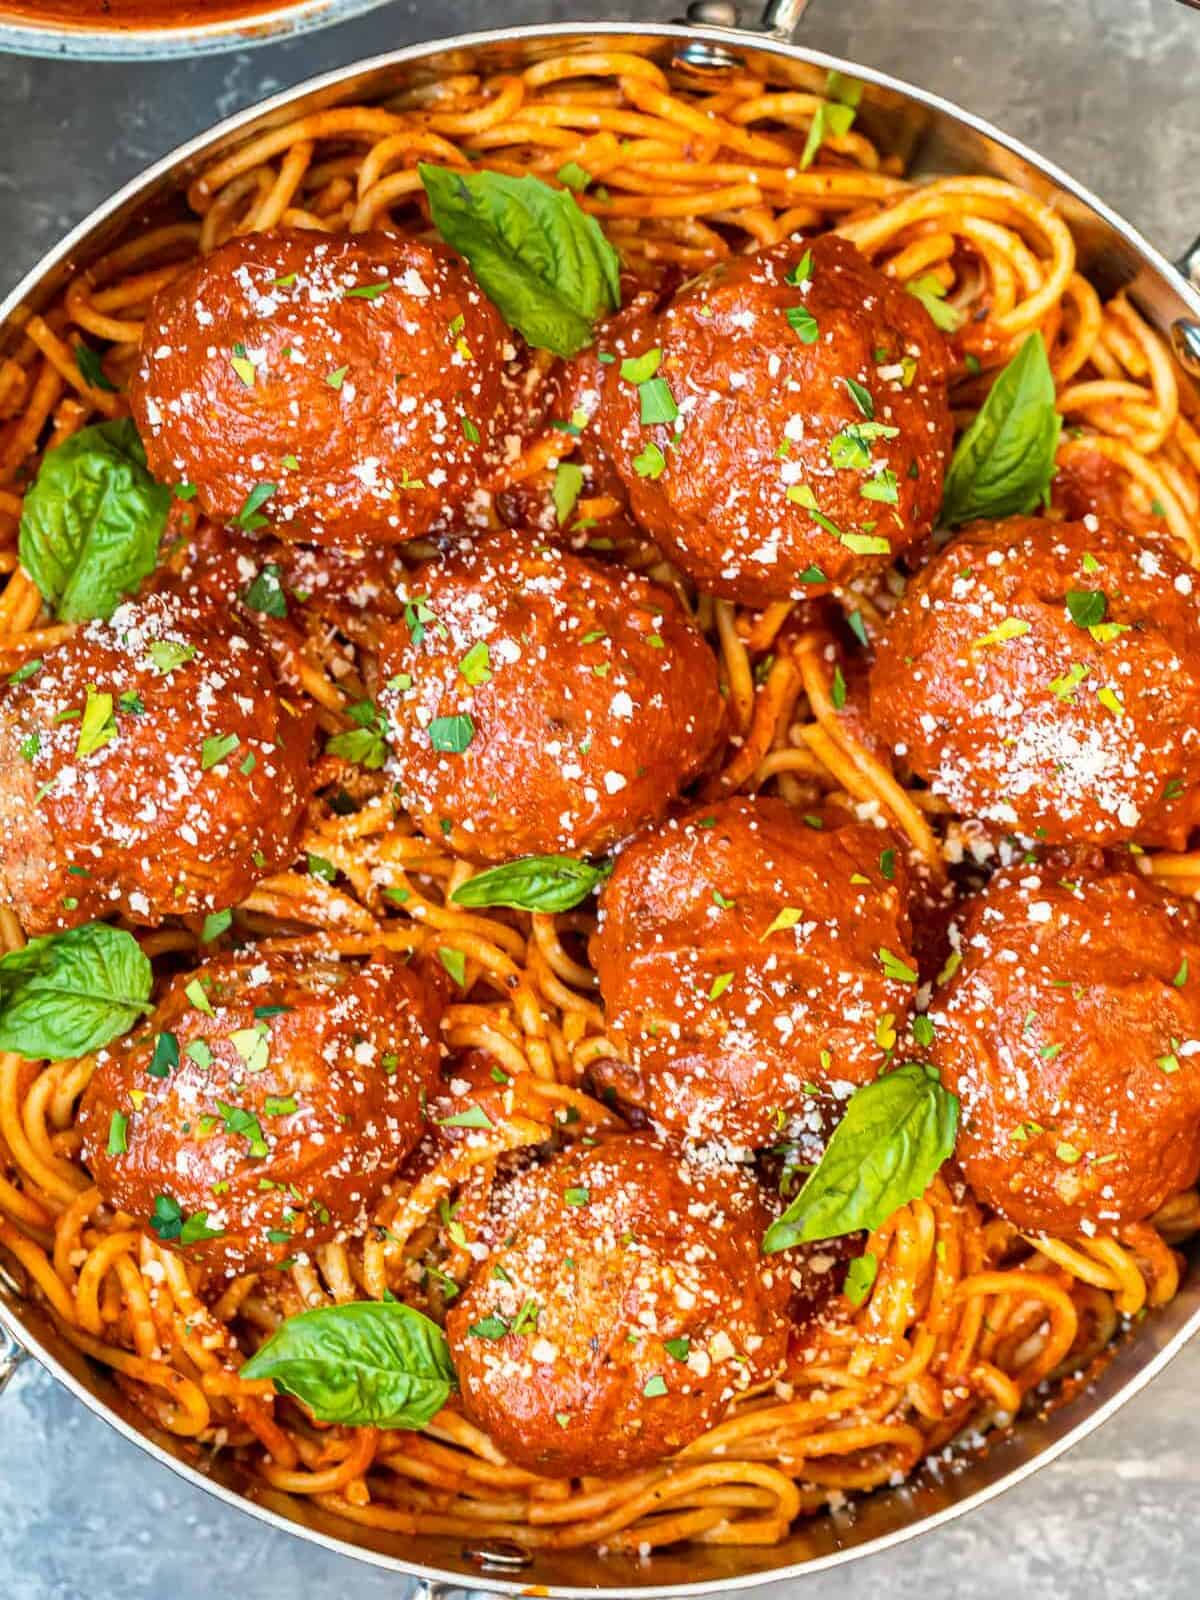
column 432, row 1589
column 12, row 1354
column 780, row 18
column 1185, row 334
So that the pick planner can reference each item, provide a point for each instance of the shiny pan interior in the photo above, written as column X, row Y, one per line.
column 933, row 137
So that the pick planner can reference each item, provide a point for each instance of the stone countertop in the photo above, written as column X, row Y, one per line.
column 1104, row 87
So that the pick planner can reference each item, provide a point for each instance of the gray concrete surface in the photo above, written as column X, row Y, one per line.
column 1107, row 88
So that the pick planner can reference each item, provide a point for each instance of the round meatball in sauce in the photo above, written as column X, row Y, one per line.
column 1045, row 677
column 1071, row 1034
column 752, row 967
column 358, row 376
column 265, row 1105
column 623, row 1305
column 538, row 703
column 150, row 766
column 781, row 421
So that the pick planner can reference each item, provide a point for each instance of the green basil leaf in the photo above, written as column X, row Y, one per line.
column 533, row 883
column 92, row 521
column 366, row 1364
column 68, row 993
column 894, row 1136
column 542, row 261
column 1005, row 460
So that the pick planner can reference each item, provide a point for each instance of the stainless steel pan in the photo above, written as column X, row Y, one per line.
column 935, row 137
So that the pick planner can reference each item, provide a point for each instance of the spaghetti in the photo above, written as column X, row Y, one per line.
column 966, row 1319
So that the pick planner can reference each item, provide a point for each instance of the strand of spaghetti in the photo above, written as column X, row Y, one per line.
column 1059, row 1306
column 21, row 440
column 877, row 782
column 62, row 358
column 451, row 1169
column 779, row 689
column 1145, row 473
column 59, row 1181
column 350, row 122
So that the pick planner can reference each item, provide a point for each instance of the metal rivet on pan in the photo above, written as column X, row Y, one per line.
column 1185, row 336
column 497, row 1553
column 706, row 55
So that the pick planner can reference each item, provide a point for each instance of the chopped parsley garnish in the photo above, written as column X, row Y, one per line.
column 169, row 1222
column 337, row 377
column 248, row 517
column 368, row 291
column 931, row 292
column 166, row 1056
column 244, row 1125
column 803, row 324
column 242, row 365
column 572, row 176
column 861, row 397
column 90, row 369
column 488, row 1328
column 455, row 963
column 657, row 401
column 650, row 462
column 568, row 482
column 216, row 748
column 1064, row 688
column 473, row 1117
column 164, row 655
column 215, row 924
column 801, row 272
column 264, row 592
column 118, row 1129
column 787, row 918
column 1010, row 628
column 1087, row 607
column 638, row 369
column 451, row 735
column 475, row 666
column 896, row 969
column 883, row 487
column 363, row 744
column 98, row 725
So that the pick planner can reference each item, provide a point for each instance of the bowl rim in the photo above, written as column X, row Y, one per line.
column 148, row 179
column 62, row 41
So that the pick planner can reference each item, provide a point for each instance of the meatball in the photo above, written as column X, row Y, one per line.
column 1046, row 677
column 623, row 1305
column 265, row 1105
column 1070, row 1033
column 772, row 432
column 538, row 703
column 751, row 965
column 150, row 766
column 356, row 376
